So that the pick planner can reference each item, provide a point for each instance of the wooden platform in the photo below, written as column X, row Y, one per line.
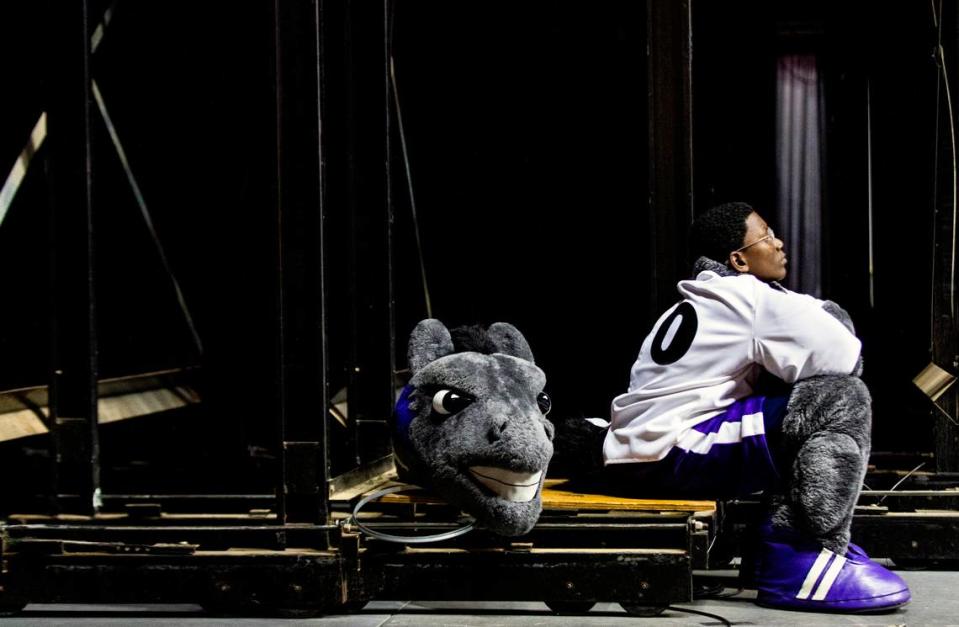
column 559, row 495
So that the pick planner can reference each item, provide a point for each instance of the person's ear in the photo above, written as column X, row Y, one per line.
column 738, row 263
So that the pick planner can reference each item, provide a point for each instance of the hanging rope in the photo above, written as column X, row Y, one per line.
column 406, row 165
column 409, row 185
column 145, row 213
column 943, row 84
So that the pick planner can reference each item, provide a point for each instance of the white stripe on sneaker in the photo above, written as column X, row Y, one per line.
column 818, row 566
column 829, row 578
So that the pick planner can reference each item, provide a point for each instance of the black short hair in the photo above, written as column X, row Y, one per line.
column 719, row 231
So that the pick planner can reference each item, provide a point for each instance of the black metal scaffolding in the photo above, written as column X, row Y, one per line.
column 319, row 246
column 73, row 381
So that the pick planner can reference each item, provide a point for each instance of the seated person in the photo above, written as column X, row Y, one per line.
column 744, row 386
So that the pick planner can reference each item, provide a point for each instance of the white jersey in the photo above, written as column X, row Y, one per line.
column 708, row 351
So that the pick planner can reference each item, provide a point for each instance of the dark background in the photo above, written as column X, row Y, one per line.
column 527, row 132
column 891, row 46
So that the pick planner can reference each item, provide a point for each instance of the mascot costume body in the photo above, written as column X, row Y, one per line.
column 742, row 387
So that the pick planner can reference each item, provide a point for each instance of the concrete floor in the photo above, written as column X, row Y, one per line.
column 935, row 602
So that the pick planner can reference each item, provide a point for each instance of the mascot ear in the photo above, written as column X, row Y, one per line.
column 429, row 341
column 508, row 340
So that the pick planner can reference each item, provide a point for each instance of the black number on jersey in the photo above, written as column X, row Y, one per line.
column 682, row 339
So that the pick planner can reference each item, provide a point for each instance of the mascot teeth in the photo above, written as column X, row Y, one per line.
column 519, row 487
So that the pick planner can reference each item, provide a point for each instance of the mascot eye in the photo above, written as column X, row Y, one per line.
column 544, row 402
column 446, row 402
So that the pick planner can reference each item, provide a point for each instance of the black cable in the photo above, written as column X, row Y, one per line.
column 388, row 537
column 707, row 591
column 706, row 614
column 135, row 187
column 729, row 595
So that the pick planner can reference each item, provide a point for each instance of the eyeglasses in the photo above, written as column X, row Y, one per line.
column 770, row 234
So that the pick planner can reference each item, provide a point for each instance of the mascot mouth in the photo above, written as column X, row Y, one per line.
column 519, row 487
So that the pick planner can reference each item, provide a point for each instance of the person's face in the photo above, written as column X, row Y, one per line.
column 761, row 254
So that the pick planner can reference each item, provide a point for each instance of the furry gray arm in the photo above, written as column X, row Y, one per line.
column 842, row 316
column 839, row 314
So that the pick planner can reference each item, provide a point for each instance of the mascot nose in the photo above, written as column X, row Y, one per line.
column 518, row 428
column 497, row 428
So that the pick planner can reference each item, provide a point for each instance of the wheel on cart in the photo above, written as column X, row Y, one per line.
column 570, row 607
column 639, row 609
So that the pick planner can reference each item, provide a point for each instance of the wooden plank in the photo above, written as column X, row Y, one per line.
column 543, row 551
column 557, row 495
column 30, row 419
column 362, row 480
column 116, row 408
column 21, row 424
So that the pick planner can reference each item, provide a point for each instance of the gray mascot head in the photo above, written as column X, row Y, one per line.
column 472, row 423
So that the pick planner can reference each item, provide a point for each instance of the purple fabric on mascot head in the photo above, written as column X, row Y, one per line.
column 404, row 416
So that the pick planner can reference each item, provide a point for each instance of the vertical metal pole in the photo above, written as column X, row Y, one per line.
column 74, row 360
column 390, row 305
column 370, row 392
column 945, row 323
column 302, row 396
column 669, row 65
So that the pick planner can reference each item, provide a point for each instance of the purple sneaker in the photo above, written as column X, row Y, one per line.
column 797, row 574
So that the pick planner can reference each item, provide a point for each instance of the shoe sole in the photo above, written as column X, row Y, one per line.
column 893, row 602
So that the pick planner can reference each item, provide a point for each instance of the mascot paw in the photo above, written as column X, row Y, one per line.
column 579, row 448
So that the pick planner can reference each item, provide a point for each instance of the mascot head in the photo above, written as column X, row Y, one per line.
column 472, row 423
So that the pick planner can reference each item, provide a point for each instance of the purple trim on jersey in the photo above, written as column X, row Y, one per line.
column 725, row 456
column 734, row 413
